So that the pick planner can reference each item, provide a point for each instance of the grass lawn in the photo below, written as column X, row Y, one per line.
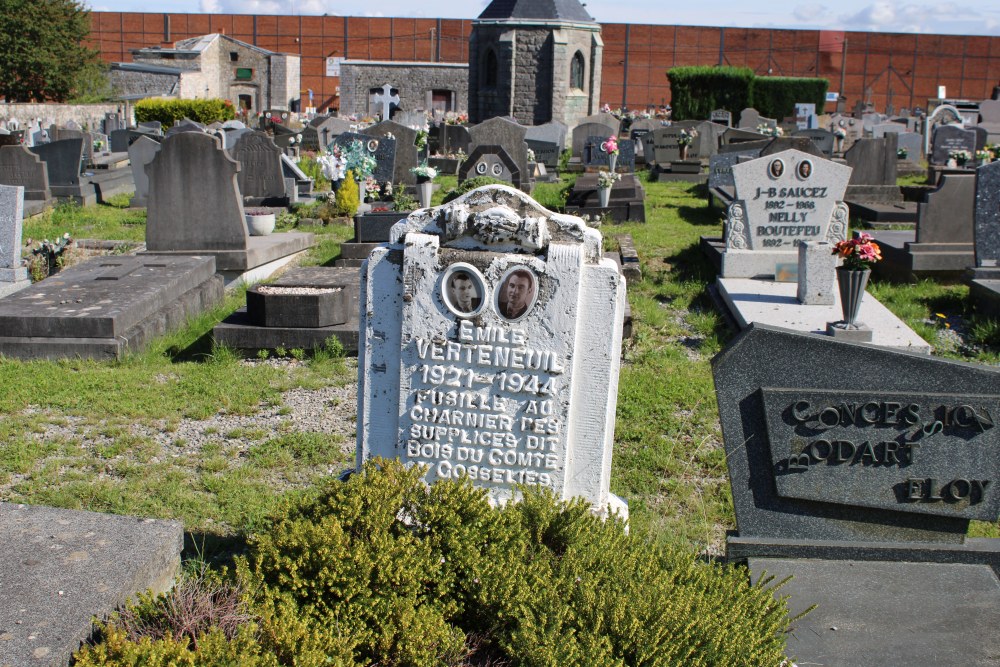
column 186, row 431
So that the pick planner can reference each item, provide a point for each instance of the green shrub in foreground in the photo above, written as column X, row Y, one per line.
column 384, row 570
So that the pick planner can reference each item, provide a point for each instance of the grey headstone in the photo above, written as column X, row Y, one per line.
column 771, row 392
column 383, row 149
column 186, row 125
column 880, row 130
column 260, row 176
column 982, row 136
column 151, row 126
column 913, row 143
column 603, row 119
column 194, row 200
column 327, row 129
column 706, row 144
column 141, row 153
column 19, row 166
column 507, row 134
column 874, row 161
column 73, row 125
column 122, row 139
column 493, row 162
column 63, row 160
column 987, row 215
column 233, row 125
column 231, row 137
column 870, row 120
column 852, row 128
column 750, row 118
column 736, row 136
column 594, row 156
column 948, row 138
column 822, row 138
column 663, row 146
column 720, row 166
column 946, row 214
column 406, row 157
column 722, row 117
column 546, row 152
column 989, row 111
column 11, row 214
column 553, row 132
column 584, row 130
column 455, row 138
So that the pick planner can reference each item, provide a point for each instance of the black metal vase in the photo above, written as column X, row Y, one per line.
column 852, row 283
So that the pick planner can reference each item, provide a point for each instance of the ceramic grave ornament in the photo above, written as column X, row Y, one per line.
column 491, row 335
column 782, row 200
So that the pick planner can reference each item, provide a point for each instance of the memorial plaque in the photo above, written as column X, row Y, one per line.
column 478, row 360
column 722, row 117
column 546, row 152
column 781, row 200
column 905, row 451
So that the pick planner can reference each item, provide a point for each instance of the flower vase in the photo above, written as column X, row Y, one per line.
column 684, row 152
column 612, row 162
column 425, row 188
column 852, row 283
column 260, row 224
column 604, row 196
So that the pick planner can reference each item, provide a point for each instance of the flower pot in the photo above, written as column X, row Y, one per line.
column 612, row 162
column 684, row 152
column 604, row 196
column 851, row 283
column 260, row 225
column 424, row 190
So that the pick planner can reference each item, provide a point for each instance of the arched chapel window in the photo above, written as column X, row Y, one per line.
column 490, row 68
column 576, row 71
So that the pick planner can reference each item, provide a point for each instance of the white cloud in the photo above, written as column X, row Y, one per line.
column 810, row 12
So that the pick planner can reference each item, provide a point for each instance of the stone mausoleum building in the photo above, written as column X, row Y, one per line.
column 535, row 60
column 252, row 78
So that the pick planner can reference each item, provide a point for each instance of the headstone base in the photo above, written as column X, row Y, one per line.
column 858, row 619
column 907, row 261
column 278, row 304
column 60, row 568
column 627, row 201
column 859, row 333
column 260, row 250
column 10, row 287
column 777, row 304
column 246, row 331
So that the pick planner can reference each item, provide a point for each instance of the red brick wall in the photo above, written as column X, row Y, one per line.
column 881, row 67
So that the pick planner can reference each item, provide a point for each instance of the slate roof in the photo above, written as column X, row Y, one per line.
column 546, row 10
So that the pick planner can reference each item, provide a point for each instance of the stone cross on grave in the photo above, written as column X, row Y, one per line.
column 386, row 99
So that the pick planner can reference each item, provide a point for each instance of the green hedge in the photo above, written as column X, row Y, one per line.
column 169, row 110
column 776, row 96
column 382, row 570
column 696, row 91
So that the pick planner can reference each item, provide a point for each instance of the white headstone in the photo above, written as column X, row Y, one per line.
column 491, row 337
column 782, row 200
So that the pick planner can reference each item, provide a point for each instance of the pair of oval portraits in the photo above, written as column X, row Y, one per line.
column 466, row 293
column 777, row 169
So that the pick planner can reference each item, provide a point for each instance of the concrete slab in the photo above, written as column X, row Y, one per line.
column 106, row 306
column 60, row 568
column 260, row 250
column 238, row 332
column 888, row 613
column 776, row 304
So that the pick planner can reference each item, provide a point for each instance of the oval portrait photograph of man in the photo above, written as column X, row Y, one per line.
column 517, row 293
column 464, row 290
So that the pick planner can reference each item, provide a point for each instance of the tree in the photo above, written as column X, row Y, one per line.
column 42, row 53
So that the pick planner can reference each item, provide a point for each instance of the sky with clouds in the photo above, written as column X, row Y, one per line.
column 945, row 17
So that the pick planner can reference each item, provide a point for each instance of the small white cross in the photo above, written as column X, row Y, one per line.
column 385, row 98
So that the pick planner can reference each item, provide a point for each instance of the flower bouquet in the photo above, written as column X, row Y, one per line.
column 424, row 171
column 961, row 156
column 902, row 153
column 769, row 131
column 859, row 254
column 610, row 146
column 425, row 187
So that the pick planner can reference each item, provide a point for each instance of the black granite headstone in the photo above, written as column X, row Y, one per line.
column 595, row 156
column 987, row 215
column 382, row 149
column 949, row 138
